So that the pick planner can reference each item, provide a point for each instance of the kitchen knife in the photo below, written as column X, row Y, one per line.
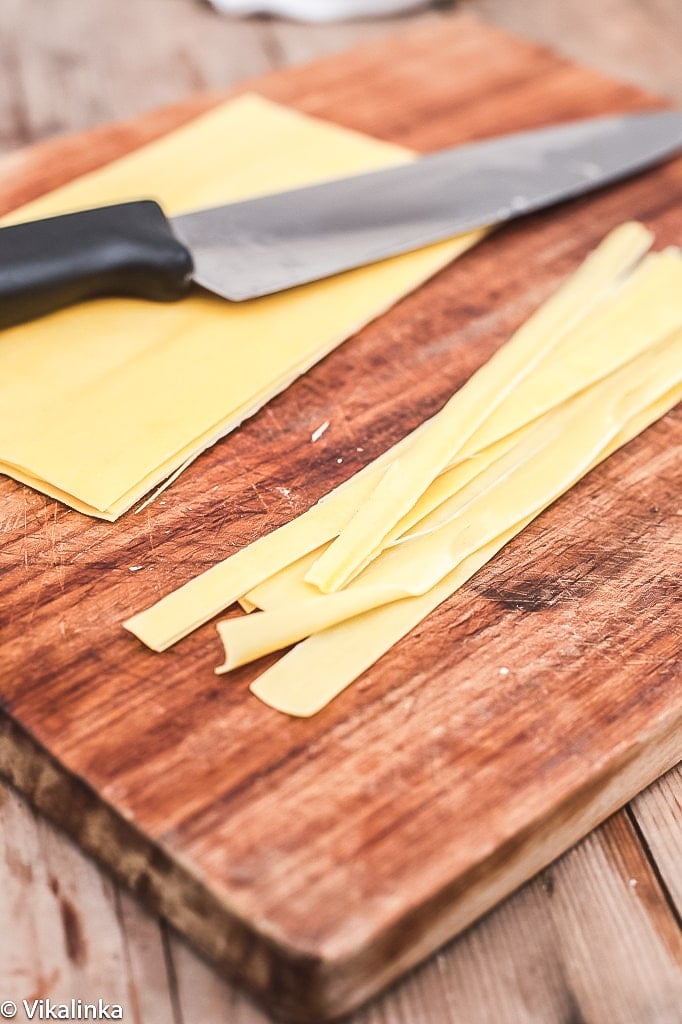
column 270, row 243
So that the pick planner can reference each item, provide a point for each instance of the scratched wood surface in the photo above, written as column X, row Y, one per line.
column 592, row 938
column 445, row 989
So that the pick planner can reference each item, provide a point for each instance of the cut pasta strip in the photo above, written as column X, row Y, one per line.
column 290, row 581
column 559, row 319
column 206, row 595
column 198, row 600
column 549, row 459
column 317, row 670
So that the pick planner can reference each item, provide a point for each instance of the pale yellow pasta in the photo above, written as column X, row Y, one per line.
column 549, row 458
column 534, row 370
column 101, row 402
column 200, row 599
column 317, row 670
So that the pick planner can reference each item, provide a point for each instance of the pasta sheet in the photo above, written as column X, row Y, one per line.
column 100, row 402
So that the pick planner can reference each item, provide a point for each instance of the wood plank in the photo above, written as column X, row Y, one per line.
column 73, row 934
column 291, row 43
column 658, row 814
column 204, row 996
column 638, row 42
column 149, row 989
column 341, row 843
column 607, row 897
column 50, row 83
column 137, row 56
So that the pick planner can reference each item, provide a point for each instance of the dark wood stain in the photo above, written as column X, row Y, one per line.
column 547, row 879
column 573, row 1013
column 45, row 986
column 312, row 857
column 73, row 931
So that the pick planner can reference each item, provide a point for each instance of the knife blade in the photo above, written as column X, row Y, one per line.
column 259, row 246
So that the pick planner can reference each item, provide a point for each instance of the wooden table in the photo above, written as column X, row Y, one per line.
column 596, row 937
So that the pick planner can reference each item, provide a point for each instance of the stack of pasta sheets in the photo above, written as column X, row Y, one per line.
column 102, row 402
column 593, row 367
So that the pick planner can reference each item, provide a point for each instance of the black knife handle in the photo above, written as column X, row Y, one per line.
column 128, row 249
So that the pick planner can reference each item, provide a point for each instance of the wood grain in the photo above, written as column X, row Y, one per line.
column 139, row 56
column 561, row 948
column 347, row 838
column 103, row 61
column 638, row 42
column 657, row 814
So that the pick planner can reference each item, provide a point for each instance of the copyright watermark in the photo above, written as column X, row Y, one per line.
column 45, row 1009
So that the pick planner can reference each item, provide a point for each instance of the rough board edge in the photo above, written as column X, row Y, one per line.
column 152, row 873
column 298, row 985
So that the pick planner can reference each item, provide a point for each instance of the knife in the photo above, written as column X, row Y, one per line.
column 255, row 247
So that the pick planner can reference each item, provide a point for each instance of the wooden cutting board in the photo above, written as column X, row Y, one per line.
column 316, row 860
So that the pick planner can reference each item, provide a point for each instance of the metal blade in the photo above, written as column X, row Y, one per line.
column 274, row 242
